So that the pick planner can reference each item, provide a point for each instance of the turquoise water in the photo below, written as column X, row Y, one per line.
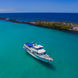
column 16, row 63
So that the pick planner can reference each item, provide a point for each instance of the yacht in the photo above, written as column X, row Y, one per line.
column 37, row 51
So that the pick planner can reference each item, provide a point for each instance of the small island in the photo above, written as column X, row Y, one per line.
column 63, row 26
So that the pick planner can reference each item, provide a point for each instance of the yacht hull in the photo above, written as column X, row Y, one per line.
column 44, row 60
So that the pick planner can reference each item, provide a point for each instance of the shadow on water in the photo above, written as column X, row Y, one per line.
column 46, row 64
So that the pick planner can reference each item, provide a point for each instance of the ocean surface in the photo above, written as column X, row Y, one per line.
column 67, row 17
column 61, row 46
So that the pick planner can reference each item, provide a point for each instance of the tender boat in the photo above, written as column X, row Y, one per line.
column 37, row 51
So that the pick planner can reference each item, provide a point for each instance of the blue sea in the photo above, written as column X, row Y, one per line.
column 61, row 46
column 67, row 17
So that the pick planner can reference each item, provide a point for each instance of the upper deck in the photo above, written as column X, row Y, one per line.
column 36, row 47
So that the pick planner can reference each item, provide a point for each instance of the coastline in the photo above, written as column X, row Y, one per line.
column 63, row 26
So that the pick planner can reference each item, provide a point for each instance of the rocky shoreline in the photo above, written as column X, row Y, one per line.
column 63, row 26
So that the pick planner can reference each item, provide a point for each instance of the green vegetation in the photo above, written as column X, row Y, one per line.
column 52, row 25
column 65, row 27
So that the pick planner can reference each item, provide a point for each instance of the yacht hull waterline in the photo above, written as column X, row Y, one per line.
column 37, row 52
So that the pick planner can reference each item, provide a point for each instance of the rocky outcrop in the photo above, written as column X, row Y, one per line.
column 64, row 26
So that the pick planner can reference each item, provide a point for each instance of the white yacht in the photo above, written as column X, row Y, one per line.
column 37, row 51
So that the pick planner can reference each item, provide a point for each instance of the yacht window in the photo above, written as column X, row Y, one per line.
column 39, row 48
column 42, row 53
